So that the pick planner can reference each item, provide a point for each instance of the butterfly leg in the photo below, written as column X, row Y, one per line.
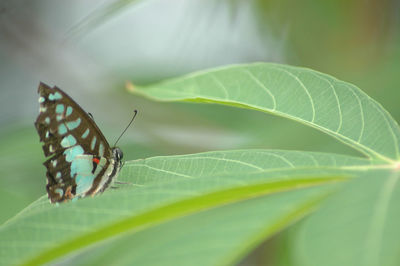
column 122, row 183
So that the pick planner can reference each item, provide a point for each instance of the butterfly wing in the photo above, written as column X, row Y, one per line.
column 81, row 160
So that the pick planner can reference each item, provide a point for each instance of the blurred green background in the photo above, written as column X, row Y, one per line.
column 91, row 49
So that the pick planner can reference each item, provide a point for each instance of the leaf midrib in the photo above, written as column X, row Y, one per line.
column 176, row 210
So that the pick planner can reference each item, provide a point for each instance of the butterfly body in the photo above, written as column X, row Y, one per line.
column 81, row 162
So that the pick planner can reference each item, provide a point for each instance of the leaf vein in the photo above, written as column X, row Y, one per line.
column 305, row 89
column 221, row 86
column 258, row 82
column 336, row 97
column 227, row 160
column 164, row 171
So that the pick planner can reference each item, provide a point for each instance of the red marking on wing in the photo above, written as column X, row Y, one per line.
column 96, row 160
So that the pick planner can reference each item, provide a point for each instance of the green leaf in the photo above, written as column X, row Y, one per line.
column 214, row 208
column 19, row 145
column 173, row 188
column 335, row 107
column 162, row 169
column 357, row 226
column 217, row 236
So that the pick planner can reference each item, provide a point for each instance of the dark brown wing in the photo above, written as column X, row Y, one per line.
column 49, row 110
column 66, row 130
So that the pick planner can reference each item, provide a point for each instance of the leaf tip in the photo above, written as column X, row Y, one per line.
column 130, row 87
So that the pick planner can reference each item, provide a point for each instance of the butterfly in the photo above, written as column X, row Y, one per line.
column 81, row 162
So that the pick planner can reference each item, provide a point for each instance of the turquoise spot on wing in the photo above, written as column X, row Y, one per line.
column 59, row 191
column 69, row 111
column 71, row 153
column 81, row 170
column 41, row 99
column 82, row 165
column 86, row 133
column 62, row 129
column 59, row 108
column 74, row 167
column 68, row 141
column 83, row 183
column 59, row 117
column 101, row 149
column 55, row 96
column 58, row 175
column 93, row 143
column 73, row 124
column 47, row 120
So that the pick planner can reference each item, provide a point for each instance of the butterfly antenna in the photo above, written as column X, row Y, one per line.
column 134, row 115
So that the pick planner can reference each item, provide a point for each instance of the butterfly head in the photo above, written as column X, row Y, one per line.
column 118, row 155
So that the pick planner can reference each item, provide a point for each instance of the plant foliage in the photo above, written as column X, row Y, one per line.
column 214, row 208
